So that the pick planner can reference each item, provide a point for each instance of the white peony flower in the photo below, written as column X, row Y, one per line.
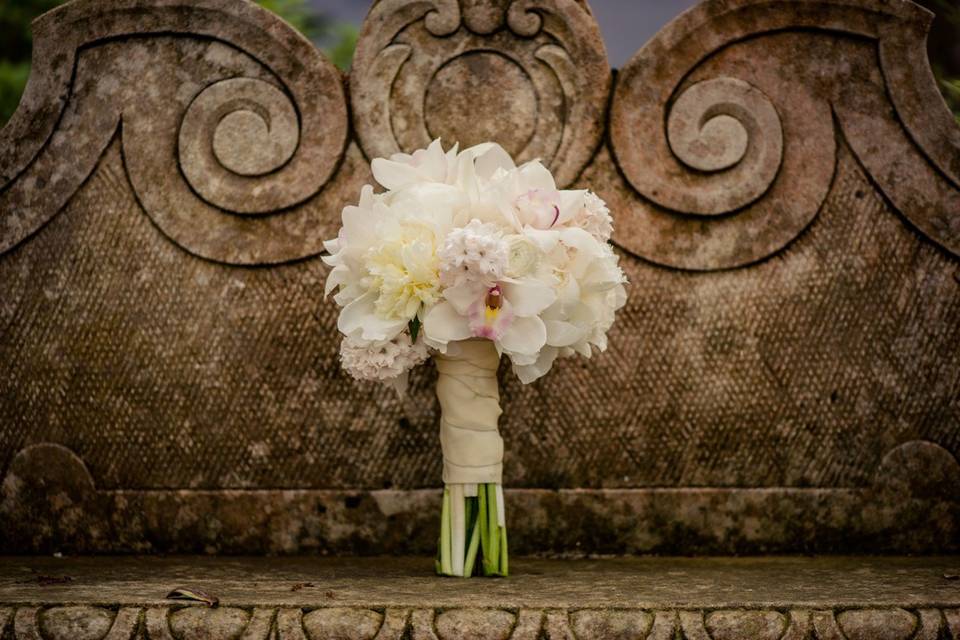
column 404, row 271
column 382, row 361
column 474, row 253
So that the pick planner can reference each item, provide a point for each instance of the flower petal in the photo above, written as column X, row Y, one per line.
column 360, row 318
column 337, row 277
column 443, row 324
column 528, row 296
column 464, row 296
column 536, row 176
column 524, row 335
column 563, row 334
column 394, row 175
column 529, row 373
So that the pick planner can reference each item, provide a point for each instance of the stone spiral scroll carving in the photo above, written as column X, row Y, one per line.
column 237, row 129
column 733, row 153
column 720, row 124
column 530, row 74
column 234, row 114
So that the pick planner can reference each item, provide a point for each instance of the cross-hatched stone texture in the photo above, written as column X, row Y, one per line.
column 161, row 315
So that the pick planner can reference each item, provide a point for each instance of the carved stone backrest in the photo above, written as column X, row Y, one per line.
column 785, row 181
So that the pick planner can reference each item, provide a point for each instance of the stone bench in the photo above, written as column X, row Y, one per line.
column 394, row 598
column 785, row 182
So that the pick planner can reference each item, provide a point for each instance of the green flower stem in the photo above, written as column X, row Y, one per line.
column 482, row 541
column 445, row 565
column 458, row 526
column 504, row 560
column 491, row 555
column 471, row 560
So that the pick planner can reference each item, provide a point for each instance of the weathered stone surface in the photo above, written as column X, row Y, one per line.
column 614, row 625
column 877, row 624
column 764, row 584
column 474, row 624
column 287, row 623
column 185, row 402
column 757, row 625
column 76, row 623
column 340, row 623
column 196, row 623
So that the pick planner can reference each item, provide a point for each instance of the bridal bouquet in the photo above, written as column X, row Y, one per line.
column 466, row 258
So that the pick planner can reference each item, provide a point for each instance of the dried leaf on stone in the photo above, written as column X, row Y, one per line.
column 301, row 585
column 183, row 593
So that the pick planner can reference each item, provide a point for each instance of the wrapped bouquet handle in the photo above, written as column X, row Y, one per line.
column 472, row 525
column 469, row 397
column 465, row 258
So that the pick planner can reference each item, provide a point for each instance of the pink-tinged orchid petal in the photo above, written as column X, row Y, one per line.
column 538, row 208
column 524, row 335
column 491, row 315
column 443, row 324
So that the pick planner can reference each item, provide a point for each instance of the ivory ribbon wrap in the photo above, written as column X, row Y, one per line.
column 469, row 410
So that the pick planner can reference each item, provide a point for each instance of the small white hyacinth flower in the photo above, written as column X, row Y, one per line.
column 387, row 361
column 595, row 217
column 474, row 253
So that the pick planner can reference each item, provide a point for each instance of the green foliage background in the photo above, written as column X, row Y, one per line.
column 338, row 40
column 948, row 15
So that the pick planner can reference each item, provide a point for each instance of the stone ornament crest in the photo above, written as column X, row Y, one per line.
column 748, row 152
column 259, row 129
column 530, row 74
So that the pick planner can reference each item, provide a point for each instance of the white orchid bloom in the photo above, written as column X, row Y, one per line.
column 506, row 313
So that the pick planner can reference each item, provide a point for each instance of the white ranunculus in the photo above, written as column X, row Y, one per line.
column 523, row 256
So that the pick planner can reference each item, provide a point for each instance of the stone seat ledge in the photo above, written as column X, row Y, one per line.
column 788, row 598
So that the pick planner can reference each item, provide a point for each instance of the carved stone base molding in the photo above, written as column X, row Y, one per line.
column 356, row 623
column 392, row 599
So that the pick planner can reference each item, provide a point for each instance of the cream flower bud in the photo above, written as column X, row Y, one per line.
column 523, row 256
